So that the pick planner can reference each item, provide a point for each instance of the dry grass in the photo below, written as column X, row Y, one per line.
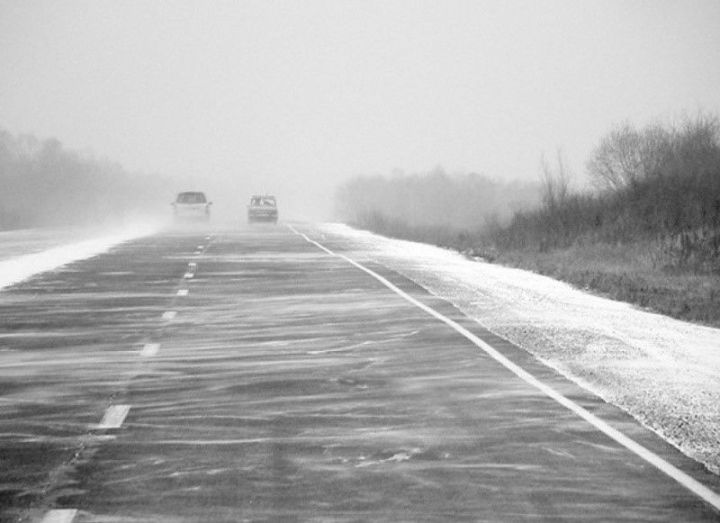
column 630, row 273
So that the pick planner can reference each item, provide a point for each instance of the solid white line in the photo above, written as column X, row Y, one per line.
column 114, row 417
column 694, row 486
column 169, row 315
column 182, row 292
column 62, row 515
column 149, row 350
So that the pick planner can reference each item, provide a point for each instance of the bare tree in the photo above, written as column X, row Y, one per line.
column 626, row 156
column 616, row 162
column 555, row 181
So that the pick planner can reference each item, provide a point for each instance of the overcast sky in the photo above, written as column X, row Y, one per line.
column 278, row 96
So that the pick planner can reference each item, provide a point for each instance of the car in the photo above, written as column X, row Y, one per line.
column 191, row 205
column 262, row 208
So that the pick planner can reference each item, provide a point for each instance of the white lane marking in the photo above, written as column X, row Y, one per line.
column 169, row 315
column 690, row 483
column 182, row 292
column 114, row 416
column 188, row 275
column 192, row 265
column 62, row 515
column 149, row 350
column 207, row 238
column 200, row 247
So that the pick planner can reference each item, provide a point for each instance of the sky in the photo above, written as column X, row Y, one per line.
column 293, row 97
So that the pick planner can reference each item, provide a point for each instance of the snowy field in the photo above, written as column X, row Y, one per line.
column 27, row 252
column 664, row 372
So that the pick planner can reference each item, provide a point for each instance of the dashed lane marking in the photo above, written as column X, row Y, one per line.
column 114, row 417
column 709, row 496
column 63, row 515
column 190, row 273
column 149, row 350
column 115, row 414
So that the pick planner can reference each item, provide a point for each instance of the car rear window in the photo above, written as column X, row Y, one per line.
column 191, row 197
column 262, row 201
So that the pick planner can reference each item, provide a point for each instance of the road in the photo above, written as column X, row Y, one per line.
column 253, row 375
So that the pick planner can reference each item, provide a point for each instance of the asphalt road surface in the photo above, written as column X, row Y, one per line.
column 251, row 375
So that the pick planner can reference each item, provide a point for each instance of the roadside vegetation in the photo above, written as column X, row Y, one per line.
column 44, row 184
column 648, row 232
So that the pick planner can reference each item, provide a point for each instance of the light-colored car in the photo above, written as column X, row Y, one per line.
column 191, row 205
column 262, row 208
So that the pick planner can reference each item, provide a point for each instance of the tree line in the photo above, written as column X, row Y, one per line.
column 435, row 206
column 45, row 184
column 658, row 183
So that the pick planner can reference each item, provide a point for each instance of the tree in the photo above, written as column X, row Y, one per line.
column 626, row 156
column 554, row 182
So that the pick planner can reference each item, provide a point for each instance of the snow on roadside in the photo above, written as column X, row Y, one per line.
column 664, row 372
column 19, row 268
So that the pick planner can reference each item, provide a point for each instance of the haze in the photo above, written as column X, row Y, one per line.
column 295, row 97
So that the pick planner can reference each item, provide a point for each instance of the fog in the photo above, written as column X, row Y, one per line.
column 44, row 184
column 296, row 98
column 460, row 202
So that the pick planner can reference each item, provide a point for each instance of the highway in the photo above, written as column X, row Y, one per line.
column 265, row 374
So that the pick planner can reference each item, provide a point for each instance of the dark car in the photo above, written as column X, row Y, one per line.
column 262, row 209
column 191, row 206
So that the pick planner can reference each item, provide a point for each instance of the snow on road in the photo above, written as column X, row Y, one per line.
column 664, row 372
column 26, row 253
